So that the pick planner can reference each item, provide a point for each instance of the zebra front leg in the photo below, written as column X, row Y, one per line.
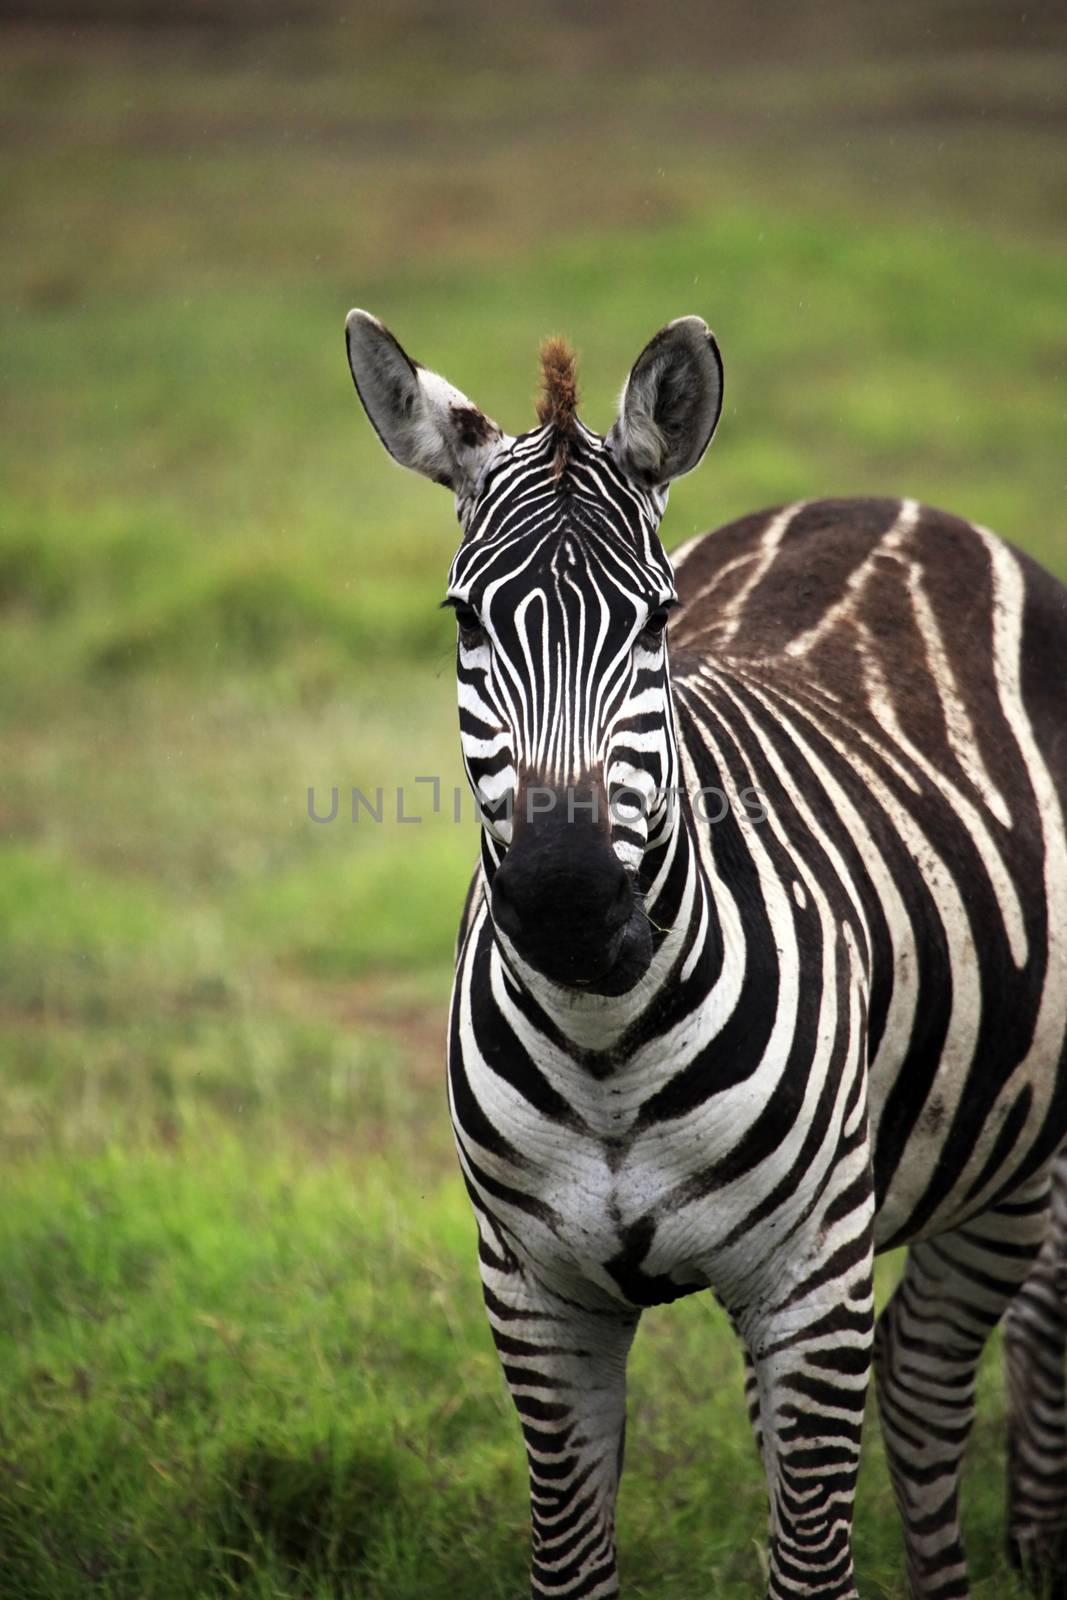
column 566, row 1368
column 752, row 1399
column 929, row 1340
column 812, row 1358
column 1035, row 1345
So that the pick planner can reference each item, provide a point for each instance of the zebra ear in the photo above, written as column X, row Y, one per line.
column 670, row 405
column 422, row 421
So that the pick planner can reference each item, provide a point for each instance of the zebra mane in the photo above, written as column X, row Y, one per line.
column 557, row 403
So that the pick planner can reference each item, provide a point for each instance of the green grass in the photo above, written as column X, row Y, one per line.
column 242, row 1343
column 211, row 1394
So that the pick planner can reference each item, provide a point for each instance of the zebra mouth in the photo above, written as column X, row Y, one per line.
column 610, row 967
column 632, row 958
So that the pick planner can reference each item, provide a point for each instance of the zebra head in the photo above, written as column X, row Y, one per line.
column 561, row 590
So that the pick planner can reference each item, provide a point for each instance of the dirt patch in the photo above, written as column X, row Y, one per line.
column 384, row 1004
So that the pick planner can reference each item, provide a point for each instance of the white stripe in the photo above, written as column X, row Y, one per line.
column 857, row 582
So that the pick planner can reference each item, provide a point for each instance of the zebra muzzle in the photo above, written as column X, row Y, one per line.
column 567, row 906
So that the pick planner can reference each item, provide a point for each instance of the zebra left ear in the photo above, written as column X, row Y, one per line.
column 670, row 405
column 422, row 421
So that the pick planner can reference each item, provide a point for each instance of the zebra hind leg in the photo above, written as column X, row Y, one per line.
column 1035, row 1343
column 928, row 1343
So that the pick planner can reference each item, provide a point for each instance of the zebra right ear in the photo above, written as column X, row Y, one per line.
column 422, row 421
column 670, row 405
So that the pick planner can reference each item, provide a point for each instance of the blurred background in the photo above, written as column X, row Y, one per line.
column 241, row 1343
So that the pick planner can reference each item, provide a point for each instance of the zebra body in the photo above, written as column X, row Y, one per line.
column 744, row 1049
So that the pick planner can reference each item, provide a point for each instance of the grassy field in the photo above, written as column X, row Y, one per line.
column 241, row 1343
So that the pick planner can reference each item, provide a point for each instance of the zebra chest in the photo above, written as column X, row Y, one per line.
column 599, row 1206
column 584, row 1190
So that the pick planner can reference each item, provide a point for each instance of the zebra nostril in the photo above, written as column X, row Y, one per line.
column 505, row 912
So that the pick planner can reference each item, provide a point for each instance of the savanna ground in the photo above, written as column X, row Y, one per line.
column 242, row 1344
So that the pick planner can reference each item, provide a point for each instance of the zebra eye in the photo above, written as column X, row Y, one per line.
column 657, row 620
column 467, row 618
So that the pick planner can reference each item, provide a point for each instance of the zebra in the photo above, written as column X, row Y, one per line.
column 763, row 967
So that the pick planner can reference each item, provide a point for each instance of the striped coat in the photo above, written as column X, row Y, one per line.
column 808, row 1002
